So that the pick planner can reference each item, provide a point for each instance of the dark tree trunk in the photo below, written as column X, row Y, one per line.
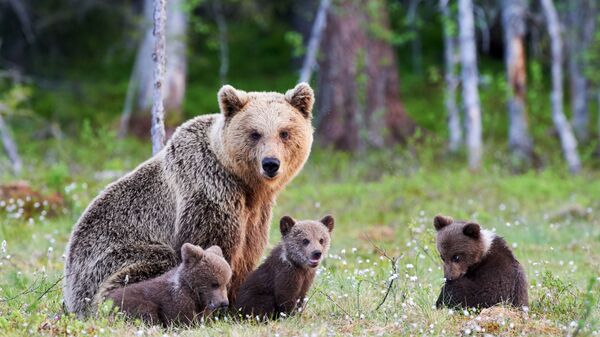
column 358, row 102
column 513, row 22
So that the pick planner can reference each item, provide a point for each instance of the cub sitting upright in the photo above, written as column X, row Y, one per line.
column 479, row 268
column 280, row 284
column 195, row 288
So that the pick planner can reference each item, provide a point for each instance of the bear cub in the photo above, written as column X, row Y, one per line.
column 194, row 288
column 279, row 285
column 479, row 267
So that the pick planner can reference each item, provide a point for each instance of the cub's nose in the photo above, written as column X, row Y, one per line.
column 270, row 166
column 316, row 254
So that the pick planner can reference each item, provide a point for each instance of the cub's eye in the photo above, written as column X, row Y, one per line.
column 456, row 258
column 255, row 135
column 305, row 242
column 321, row 241
column 215, row 285
column 284, row 135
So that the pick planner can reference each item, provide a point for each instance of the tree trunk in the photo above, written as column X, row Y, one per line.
column 10, row 147
column 358, row 100
column 568, row 141
column 513, row 22
column 415, row 42
column 315, row 40
column 577, row 81
column 138, row 102
column 176, row 32
column 223, row 40
column 468, row 55
column 454, row 125
column 158, row 111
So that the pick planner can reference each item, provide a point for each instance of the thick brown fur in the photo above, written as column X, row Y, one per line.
column 180, row 296
column 206, row 187
column 280, row 284
column 479, row 267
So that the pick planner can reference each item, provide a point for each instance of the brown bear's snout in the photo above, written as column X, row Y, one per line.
column 315, row 256
column 270, row 166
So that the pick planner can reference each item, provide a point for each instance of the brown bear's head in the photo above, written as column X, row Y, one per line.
column 461, row 245
column 306, row 242
column 207, row 275
column 265, row 137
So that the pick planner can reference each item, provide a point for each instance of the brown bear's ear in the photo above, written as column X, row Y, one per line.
column 472, row 230
column 285, row 224
column 441, row 221
column 328, row 222
column 215, row 250
column 302, row 98
column 231, row 100
column 191, row 253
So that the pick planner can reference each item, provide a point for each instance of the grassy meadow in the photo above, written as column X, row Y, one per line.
column 383, row 203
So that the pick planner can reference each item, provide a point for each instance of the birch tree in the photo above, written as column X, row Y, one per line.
column 158, row 56
column 469, row 74
column 138, row 101
column 513, row 23
column 576, row 46
column 567, row 139
column 454, row 125
column 9, row 145
column 315, row 40
column 223, row 40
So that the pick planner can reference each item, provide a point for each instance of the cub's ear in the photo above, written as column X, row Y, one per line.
column 231, row 100
column 328, row 222
column 285, row 224
column 441, row 221
column 191, row 253
column 215, row 250
column 472, row 230
column 302, row 98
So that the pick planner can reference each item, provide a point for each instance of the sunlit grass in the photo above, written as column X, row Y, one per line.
column 382, row 202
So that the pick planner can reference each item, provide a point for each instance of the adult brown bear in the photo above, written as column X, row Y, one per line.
column 214, row 183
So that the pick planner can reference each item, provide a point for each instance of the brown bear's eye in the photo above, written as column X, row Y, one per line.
column 305, row 242
column 456, row 258
column 284, row 135
column 321, row 241
column 215, row 285
column 255, row 135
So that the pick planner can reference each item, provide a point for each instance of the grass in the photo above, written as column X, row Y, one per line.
column 382, row 201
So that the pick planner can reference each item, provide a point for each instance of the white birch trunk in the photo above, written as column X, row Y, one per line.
column 315, row 40
column 454, row 125
column 577, row 81
column 158, row 56
column 10, row 146
column 567, row 139
column 139, row 97
column 513, row 22
column 223, row 40
column 468, row 55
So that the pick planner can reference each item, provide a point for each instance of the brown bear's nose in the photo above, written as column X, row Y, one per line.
column 316, row 254
column 270, row 166
column 224, row 304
